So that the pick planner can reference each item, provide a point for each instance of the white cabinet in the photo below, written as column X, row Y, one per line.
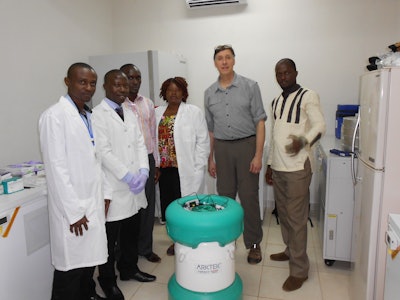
column 336, row 194
column 26, row 270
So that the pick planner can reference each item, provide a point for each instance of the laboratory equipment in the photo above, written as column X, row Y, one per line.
column 376, row 178
column 25, row 258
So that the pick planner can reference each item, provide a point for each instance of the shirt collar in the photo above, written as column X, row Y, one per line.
column 112, row 104
column 138, row 98
column 235, row 82
column 85, row 107
column 290, row 90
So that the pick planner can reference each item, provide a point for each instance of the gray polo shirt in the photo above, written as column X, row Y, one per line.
column 233, row 113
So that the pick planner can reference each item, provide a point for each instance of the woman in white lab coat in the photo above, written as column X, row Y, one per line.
column 183, row 144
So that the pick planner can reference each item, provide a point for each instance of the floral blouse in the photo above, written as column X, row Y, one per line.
column 166, row 144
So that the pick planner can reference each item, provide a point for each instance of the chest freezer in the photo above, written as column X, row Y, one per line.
column 26, row 270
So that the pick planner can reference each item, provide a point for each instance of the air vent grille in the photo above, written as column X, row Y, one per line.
column 209, row 3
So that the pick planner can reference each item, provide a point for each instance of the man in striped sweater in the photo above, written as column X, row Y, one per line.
column 297, row 123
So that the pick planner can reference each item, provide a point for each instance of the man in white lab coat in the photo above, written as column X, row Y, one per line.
column 120, row 145
column 75, row 195
column 144, row 109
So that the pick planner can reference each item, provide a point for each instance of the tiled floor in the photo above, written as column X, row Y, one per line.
column 260, row 282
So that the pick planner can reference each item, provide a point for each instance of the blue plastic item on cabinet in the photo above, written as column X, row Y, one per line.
column 344, row 110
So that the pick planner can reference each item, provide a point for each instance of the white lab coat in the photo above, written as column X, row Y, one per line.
column 120, row 144
column 192, row 146
column 74, row 182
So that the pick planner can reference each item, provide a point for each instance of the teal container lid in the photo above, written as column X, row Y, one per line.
column 196, row 219
column 232, row 292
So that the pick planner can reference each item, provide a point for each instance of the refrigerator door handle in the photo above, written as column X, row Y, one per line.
column 353, row 151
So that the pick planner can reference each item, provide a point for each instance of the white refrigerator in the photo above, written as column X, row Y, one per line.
column 376, row 179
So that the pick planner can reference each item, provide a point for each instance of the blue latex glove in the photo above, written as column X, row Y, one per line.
column 138, row 183
column 128, row 178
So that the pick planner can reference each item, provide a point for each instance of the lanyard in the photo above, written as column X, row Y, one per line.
column 86, row 120
column 85, row 116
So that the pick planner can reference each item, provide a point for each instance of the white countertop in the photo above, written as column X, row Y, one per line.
column 11, row 201
column 329, row 142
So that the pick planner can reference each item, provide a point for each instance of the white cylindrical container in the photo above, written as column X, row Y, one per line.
column 207, row 268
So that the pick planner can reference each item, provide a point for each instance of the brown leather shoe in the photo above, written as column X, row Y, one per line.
column 152, row 257
column 281, row 256
column 171, row 250
column 255, row 255
column 293, row 283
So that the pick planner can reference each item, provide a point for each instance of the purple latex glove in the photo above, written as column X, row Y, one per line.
column 138, row 183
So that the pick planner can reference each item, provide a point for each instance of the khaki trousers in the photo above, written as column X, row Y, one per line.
column 292, row 196
column 233, row 177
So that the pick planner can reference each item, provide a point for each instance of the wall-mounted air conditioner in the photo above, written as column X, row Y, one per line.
column 213, row 3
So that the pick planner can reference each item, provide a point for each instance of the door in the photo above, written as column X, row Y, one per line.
column 366, row 220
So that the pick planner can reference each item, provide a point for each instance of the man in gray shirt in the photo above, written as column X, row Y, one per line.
column 236, row 123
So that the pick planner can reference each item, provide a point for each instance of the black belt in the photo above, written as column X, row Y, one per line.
column 235, row 140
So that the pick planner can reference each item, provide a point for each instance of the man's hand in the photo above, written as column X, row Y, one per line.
column 268, row 176
column 138, row 183
column 157, row 174
column 255, row 165
column 77, row 226
column 212, row 168
column 106, row 205
column 297, row 144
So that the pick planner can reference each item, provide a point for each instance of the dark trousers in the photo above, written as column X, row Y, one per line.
column 76, row 284
column 127, row 230
column 170, row 188
column 233, row 160
column 145, row 243
column 292, row 196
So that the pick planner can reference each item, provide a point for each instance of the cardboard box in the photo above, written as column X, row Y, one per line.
column 12, row 185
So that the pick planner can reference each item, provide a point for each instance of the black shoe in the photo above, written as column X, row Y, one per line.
column 113, row 293
column 97, row 297
column 152, row 257
column 138, row 276
column 171, row 250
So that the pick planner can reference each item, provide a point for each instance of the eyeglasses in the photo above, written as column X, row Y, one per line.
column 220, row 48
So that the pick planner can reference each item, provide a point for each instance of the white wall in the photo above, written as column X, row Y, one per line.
column 329, row 40
column 39, row 40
